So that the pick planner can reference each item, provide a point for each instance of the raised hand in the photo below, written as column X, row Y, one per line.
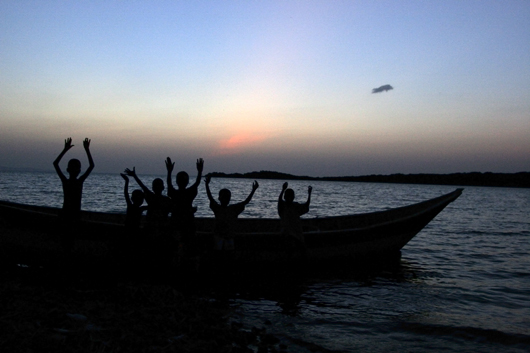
column 200, row 165
column 255, row 185
column 207, row 179
column 125, row 177
column 309, row 189
column 86, row 143
column 284, row 187
column 68, row 144
column 169, row 165
column 130, row 172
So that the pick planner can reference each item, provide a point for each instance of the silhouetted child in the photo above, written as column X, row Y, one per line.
column 135, row 209
column 290, row 212
column 182, row 210
column 72, row 190
column 226, row 215
column 158, row 245
column 131, row 245
column 158, row 205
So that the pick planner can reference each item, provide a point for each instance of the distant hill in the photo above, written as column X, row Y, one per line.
column 521, row 179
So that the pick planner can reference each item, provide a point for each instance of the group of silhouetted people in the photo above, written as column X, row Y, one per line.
column 173, row 239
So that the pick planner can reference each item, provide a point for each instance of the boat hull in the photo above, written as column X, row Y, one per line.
column 31, row 235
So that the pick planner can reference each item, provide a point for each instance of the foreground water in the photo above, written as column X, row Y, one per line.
column 463, row 284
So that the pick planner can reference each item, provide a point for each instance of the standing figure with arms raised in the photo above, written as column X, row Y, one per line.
column 290, row 212
column 226, row 215
column 73, row 191
column 157, row 242
column 183, row 212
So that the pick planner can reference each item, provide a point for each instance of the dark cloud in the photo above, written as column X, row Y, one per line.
column 382, row 88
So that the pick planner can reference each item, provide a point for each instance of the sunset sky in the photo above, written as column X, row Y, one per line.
column 267, row 85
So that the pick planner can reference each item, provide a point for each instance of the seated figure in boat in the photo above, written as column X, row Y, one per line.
column 226, row 215
column 290, row 212
column 72, row 190
column 182, row 210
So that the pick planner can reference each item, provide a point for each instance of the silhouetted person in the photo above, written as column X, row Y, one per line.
column 159, row 243
column 133, row 218
column 158, row 205
column 226, row 215
column 131, row 243
column 182, row 210
column 290, row 212
column 72, row 190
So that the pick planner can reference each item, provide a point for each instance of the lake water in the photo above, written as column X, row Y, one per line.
column 463, row 284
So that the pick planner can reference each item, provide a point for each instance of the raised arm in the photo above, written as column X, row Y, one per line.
column 280, row 198
column 208, row 192
column 305, row 207
column 200, row 166
column 126, row 189
column 132, row 173
column 86, row 145
column 309, row 190
column 255, row 185
column 284, row 187
column 169, row 167
column 67, row 146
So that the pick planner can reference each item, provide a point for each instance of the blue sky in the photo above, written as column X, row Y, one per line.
column 268, row 85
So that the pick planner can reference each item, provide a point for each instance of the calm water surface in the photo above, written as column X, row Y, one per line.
column 463, row 284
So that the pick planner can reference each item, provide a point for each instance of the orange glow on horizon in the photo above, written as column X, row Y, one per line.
column 239, row 142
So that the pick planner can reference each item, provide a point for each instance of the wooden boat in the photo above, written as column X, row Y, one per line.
column 30, row 234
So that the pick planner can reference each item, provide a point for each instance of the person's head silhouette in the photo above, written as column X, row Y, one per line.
column 158, row 186
column 289, row 195
column 182, row 180
column 224, row 197
column 137, row 197
column 74, row 168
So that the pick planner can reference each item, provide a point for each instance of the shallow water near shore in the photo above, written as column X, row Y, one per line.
column 463, row 284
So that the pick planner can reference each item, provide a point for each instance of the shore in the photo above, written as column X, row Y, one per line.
column 44, row 313
column 59, row 310
column 521, row 179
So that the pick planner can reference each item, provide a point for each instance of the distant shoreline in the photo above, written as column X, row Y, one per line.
column 514, row 180
column 517, row 180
